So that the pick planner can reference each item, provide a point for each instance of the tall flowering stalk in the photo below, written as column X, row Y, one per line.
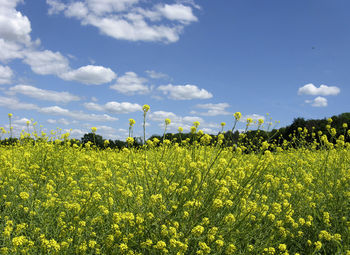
column 10, row 117
column 145, row 109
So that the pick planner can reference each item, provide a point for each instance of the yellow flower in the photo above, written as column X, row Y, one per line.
column 223, row 124
column 249, row 121
column 260, row 121
column 130, row 140
column 167, row 121
column 282, row 247
column 132, row 122
column 24, row 195
column 193, row 130
column 145, row 108
column 20, row 240
column 123, row 247
column 231, row 249
column 198, row 230
column 93, row 129
column 160, row 245
column 10, row 115
column 237, row 115
column 196, row 124
column 318, row 245
column 180, row 129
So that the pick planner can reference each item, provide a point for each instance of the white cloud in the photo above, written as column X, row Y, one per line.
column 323, row 90
column 131, row 84
column 22, row 121
column 318, row 102
column 106, row 129
column 114, row 107
column 177, row 12
column 15, row 42
column 93, row 106
column 5, row 74
column 77, row 133
column 77, row 9
column 14, row 31
column 59, row 121
column 14, row 27
column 176, row 121
column 127, row 20
column 156, row 75
column 184, row 92
column 9, row 50
column 101, row 7
column 15, row 104
column 91, row 75
column 77, row 115
column 212, row 109
column 55, row 6
column 162, row 115
column 46, row 62
column 136, row 29
column 191, row 119
column 41, row 94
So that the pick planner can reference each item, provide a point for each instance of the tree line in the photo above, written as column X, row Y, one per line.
column 310, row 129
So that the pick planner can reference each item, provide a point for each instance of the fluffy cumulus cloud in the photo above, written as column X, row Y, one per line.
column 318, row 102
column 90, row 75
column 114, row 107
column 184, row 92
column 5, row 75
column 323, row 90
column 46, row 62
column 130, row 83
column 15, row 31
column 77, row 115
column 212, row 109
column 42, row 94
column 129, row 19
column 16, row 42
column 14, row 27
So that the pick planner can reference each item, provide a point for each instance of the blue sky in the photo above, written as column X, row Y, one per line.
column 75, row 64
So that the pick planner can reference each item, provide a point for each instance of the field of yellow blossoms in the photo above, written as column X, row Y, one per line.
column 173, row 198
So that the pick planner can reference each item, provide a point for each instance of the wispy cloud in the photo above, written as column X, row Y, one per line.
column 6, row 75
column 114, row 107
column 212, row 109
column 128, row 19
column 184, row 92
column 42, row 94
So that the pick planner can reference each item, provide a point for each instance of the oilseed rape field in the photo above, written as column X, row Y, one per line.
column 175, row 197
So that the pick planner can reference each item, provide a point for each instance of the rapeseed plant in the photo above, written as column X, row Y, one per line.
column 173, row 197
